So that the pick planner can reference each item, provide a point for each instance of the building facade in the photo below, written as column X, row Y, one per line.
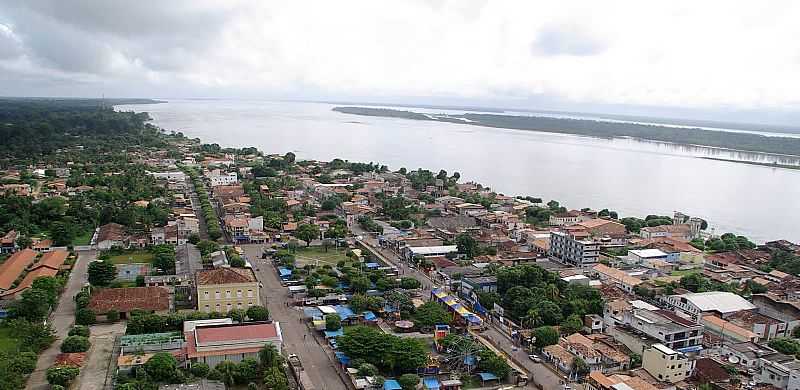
column 224, row 289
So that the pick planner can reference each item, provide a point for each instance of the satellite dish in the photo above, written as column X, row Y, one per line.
column 733, row 359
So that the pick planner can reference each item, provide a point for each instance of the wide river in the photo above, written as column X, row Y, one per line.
column 633, row 177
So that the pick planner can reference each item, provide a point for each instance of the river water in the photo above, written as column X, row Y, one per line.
column 633, row 177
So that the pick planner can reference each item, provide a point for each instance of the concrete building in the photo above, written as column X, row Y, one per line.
column 170, row 176
column 224, row 289
column 214, row 343
column 779, row 370
column 696, row 305
column 574, row 249
column 647, row 256
column 223, row 179
column 666, row 364
column 428, row 251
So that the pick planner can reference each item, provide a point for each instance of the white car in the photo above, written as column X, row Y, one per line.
column 534, row 358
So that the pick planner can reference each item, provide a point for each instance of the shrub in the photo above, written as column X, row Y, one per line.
column 79, row 330
column 75, row 344
column 85, row 317
column 61, row 375
column 162, row 367
column 257, row 313
column 214, row 375
column 199, row 370
column 408, row 381
column 112, row 315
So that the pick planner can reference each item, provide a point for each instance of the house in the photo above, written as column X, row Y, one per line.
column 224, row 289
column 596, row 380
column 13, row 267
column 15, row 189
column 8, row 244
column 214, row 343
column 599, row 227
column 111, row 235
column 571, row 217
column 597, row 354
column 779, row 370
column 216, row 178
column 681, row 231
column 127, row 299
column 666, row 364
column 410, row 252
column 628, row 322
column 727, row 330
column 616, row 277
column 48, row 265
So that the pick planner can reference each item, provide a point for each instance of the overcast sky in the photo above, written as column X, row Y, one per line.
column 719, row 57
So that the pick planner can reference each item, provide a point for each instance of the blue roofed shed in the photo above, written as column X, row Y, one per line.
column 431, row 383
column 391, row 384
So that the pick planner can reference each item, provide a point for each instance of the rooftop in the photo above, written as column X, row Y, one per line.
column 723, row 302
column 129, row 298
column 11, row 269
column 225, row 276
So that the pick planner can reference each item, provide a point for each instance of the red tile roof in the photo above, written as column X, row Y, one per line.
column 13, row 267
column 226, row 276
column 129, row 299
column 30, row 277
column 53, row 259
column 216, row 334
column 71, row 359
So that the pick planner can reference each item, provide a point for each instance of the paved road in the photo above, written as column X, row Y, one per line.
column 538, row 372
column 61, row 320
column 201, row 218
column 188, row 260
column 95, row 370
column 297, row 337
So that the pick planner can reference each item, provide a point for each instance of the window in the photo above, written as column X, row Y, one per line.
column 249, row 293
column 217, row 295
column 205, row 295
column 249, row 303
column 228, row 294
column 208, row 309
column 217, row 307
column 239, row 305
column 230, row 307
column 239, row 293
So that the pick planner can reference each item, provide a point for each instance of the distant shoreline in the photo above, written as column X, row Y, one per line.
column 744, row 142
column 770, row 165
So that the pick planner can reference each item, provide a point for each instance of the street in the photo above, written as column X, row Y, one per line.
column 61, row 319
column 538, row 372
column 297, row 337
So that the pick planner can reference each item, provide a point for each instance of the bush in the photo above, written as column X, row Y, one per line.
column 79, row 330
column 257, row 313
column 199, row 370
column 333, row 322
column 85, row 317
column 112, row 315
column 62, row 375
column 162, row 367
column 214, row 375
column 82, row 299
column 75, row 344
column 408, row 381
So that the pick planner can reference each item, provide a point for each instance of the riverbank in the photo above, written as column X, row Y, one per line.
column 770, row 165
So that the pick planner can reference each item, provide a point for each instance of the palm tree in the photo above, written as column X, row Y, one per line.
column 269, row 356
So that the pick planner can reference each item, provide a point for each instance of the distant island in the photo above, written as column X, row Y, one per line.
column 602, row 129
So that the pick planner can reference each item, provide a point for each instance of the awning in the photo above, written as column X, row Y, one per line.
column 334, row 333
column 431, row 383
column 372, row 265
column 344, row 311
column 487, row 376
column 284, row 272
column 311, row 312
column 342, row 358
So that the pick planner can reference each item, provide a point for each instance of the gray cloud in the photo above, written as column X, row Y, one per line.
column 566, row 40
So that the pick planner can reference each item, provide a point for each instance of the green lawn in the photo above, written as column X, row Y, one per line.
column 684, row 272
column 83, row 239
column 7, row 343
column 313, row 254
column 133, row 257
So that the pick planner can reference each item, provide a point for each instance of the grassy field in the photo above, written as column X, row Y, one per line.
column 684, row 272
column 83, row 239
column 7, row 343
column 313, row 254
column 133, row 257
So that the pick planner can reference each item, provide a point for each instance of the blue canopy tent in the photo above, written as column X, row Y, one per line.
column 370, row 316
column 344, row 312
column 312, row 312
column 344, row 359
column 330, row 334
column 487, row 376
column 284, row 272
column 372, row 265
column 431, row 383
column 391, row 384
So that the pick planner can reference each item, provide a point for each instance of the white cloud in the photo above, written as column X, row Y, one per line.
column 712, row 54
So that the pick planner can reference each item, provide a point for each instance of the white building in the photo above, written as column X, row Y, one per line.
column 666, row 364
column 695, row 305
column 223, row 179
column 170, row 176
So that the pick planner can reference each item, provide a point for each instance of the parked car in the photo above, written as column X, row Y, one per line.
column 534, row 358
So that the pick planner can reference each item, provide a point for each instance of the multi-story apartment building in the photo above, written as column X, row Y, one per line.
column 665, row 364
column 671, row 330
column 574, row 248
column 224, row 289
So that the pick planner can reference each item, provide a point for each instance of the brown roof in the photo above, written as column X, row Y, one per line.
column 9, row 238
column 226, row 276
column 13, row 267
column 130, row 298
column 111, row 231
column 30, row 277
column 71, row 359
column 213, row 334
column 53, row 259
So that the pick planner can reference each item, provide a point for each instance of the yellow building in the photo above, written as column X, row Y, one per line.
column 665, row 364
column 225, row 289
